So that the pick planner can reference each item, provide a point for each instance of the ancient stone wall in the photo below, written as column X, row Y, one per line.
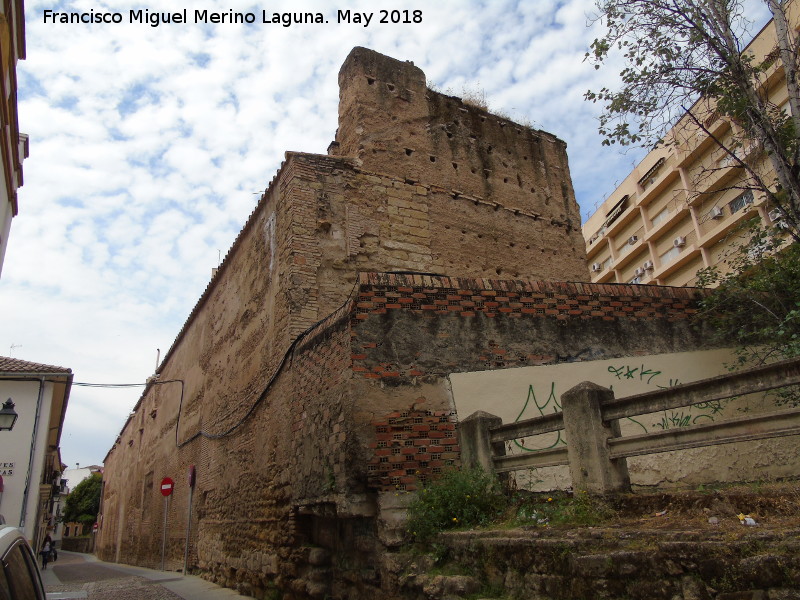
column 394, row 124
column 320, row 451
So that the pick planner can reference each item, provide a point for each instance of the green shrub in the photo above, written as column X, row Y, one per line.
column 459, row 498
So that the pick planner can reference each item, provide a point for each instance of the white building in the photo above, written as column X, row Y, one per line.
column 30, row 461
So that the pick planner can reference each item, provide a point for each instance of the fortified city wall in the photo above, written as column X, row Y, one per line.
column 301, row 356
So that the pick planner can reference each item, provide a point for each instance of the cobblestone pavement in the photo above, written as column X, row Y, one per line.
column 78, row 576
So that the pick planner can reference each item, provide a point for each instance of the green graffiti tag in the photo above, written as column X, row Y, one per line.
column 552, row 401
column 703, row 412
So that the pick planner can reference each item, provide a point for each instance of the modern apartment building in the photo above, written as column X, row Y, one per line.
column 682, row 207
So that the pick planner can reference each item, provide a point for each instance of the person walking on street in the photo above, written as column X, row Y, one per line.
column 47, row 546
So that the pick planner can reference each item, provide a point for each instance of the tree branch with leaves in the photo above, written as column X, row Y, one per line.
column 689, row 53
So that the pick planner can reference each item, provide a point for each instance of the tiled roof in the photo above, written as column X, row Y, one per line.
column 15, row 365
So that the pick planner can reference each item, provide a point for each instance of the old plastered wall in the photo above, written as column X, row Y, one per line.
column 416, row 330
column 528, row 392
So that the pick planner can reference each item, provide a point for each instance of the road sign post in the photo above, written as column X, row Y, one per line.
column 167, row 485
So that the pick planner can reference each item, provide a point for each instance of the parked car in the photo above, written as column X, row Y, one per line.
column 19, row 577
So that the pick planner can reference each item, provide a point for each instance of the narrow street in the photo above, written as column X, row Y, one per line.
column 76, row 576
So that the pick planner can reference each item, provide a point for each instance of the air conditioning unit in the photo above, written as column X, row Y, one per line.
column 679, row 242
column 716, row 213
column 632, row 240
column 639, row 272
column 597, row 267
column 647, row 266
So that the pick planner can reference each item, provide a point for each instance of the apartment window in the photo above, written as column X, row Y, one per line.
column 615, row 212
column 742, row 200
column 661, row 216
column 650, row 176
column 624, row 249
column 670, row 255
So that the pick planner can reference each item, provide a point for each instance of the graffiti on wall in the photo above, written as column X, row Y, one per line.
column 546, row 401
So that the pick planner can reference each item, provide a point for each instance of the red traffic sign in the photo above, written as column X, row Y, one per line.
column 94, row 527
column 166, row 486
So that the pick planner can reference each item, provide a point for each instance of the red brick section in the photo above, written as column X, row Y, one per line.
column 410, row 447
column 379, row 293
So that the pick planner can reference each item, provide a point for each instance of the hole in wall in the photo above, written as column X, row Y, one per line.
column 473, row 169
column 498, row 270
column 433, row 159
column 390, row 87
column 455, row 165
column 505, row 179
column 409, row 152
column 370, row 80
column 489, row 149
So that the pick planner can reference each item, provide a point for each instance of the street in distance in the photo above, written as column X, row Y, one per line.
column 286, row 19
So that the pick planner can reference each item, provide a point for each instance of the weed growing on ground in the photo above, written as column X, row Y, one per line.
column 459, row 498
column 580, row 509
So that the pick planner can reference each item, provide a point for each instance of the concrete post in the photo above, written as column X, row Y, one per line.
column 590, row 466
column 473, row 439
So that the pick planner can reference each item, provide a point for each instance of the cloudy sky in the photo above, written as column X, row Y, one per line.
column 149, row 147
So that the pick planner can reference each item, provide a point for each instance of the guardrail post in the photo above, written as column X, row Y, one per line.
column 590, row 465
column 473, row 439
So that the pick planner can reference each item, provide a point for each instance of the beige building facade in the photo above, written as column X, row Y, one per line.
column 13, row 144
column 683, row 207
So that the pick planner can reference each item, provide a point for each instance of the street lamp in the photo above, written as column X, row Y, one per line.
column 8, row 416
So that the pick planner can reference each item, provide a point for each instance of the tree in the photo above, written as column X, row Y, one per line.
column 83, row 503
column 685, row 61
column 756, row 304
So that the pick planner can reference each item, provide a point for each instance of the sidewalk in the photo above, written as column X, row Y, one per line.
column 76, row 576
